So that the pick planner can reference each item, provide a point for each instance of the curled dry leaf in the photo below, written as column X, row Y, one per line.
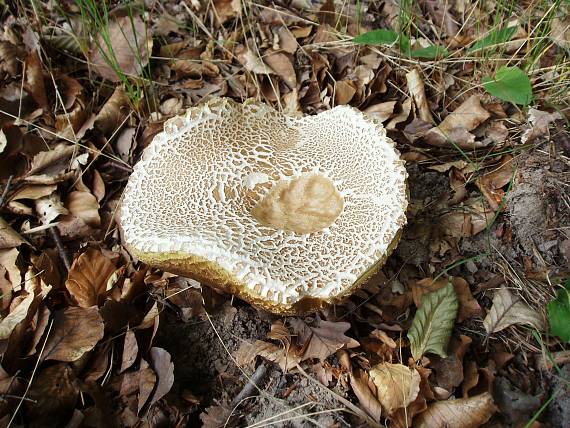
column 17, row 315
column 382, row 111
column 113, row 112
column 509, row 309
column 418, row 92
column 34, row 83
column 456, row 126
column 539, row 122
column 88, row 277
column 397, row 385
column 359, row 384
column 324, row 339
column 75, row 331
column 164, row 369
column 84, row 206
column 463, row 413
column 491, row 184
column 147, row 380
column 286, row 359
column 52, row 162
column 121, row 47
column 9, row 238
column 281, row 64
column 8, row 261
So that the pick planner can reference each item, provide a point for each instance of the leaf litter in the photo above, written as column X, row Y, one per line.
column 100, row 338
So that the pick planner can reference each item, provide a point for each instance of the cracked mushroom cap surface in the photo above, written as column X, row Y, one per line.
column 288, row 213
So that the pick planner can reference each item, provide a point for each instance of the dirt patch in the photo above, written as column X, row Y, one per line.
column 538, row 208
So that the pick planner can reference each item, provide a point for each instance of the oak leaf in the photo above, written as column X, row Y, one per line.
column 322, row 340
column 74, row 332
column 88, row 277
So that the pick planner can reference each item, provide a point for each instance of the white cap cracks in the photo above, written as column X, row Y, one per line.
column 199, row 183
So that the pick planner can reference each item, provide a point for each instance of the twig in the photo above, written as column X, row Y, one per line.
column 54, row 232
column 251, row 388
column 5, row 192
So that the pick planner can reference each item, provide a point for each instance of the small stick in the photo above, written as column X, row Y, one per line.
column 251, row 388
column 54, row 232
column 5, row 192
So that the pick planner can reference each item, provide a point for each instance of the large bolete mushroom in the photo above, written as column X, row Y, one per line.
column 288, row 213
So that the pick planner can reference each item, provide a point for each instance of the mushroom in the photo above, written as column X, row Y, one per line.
column 290, row 214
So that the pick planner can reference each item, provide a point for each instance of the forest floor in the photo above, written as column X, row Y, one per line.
column 474, row 93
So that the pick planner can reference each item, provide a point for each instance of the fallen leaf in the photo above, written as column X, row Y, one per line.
column 382, row 111
column 88, row 277
column 147, row 381
column 164, row 369
column 418, row 92
column 226, row 10
column 8, row 261
column 33, row 191
column 433, row 322
column 465, row 118
column 121, row 48
column 75, row 331
column 463, row 413
column 365, row 396
column 442, row 17
column 343, row 92
column 281, row 64
column 397, row 385
column 9, row 238
column 84, row 206
column 322, row 340
column 52, row 162
column 113, row 112
column 448, row 371
column 539, row 120
column 15, row 317
column 402, row 116
column 252, row 61
column 491, row 184
column 34, row 83
column 49, row 208
column 560, row 31
column 509, row 309
column 285, row 359
column 53, row 393
column 510, row 84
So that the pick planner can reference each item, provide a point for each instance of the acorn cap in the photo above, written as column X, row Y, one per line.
column 288, row 213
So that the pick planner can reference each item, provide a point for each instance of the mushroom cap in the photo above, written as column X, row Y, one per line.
column 288, row 213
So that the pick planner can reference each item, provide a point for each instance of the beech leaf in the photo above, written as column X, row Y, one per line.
column 324, row 339
column 508, row 310
column 464, row 413
column 87, row 281
column 75, row 331
column 397, row 385
column 433, row 322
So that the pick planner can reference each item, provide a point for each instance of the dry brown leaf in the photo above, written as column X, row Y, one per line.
column 131, row 44
column 418, row 92
column 442, row 17
column 397, row 385
column 281, row 64
column 402, row 116
column 343, row 92
column 49, row 208
column 16, row 315
column 463, row 413
column 147, row 380
column 382, row 111
column 284, row 40
column 34, row 83
column 70, row 124
column 456, row 125
column 98, row 186
column 252, row 61
column 285, row 359
column 322, row 340
column 113, row 112
column 84, row 206
column 8, row 261
column 539, row 122
column 449, row 370
column 9, row 62
column 226, row 9
column 150, row 316
column 491, row 184
column 366, row 398
column 33, row 191
column 560, row 32
column 88, row 278
column 164, row 369
column 509, row 309
column 469, row 218
column 75, row 331
column 9, row 238
column 52, row 162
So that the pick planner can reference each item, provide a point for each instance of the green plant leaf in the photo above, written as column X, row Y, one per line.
column 432, row 325
column 510, row 84
column 431, row 52
column 559, row 313
column 377, row 37
column 495, row 37
column 383, row 37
